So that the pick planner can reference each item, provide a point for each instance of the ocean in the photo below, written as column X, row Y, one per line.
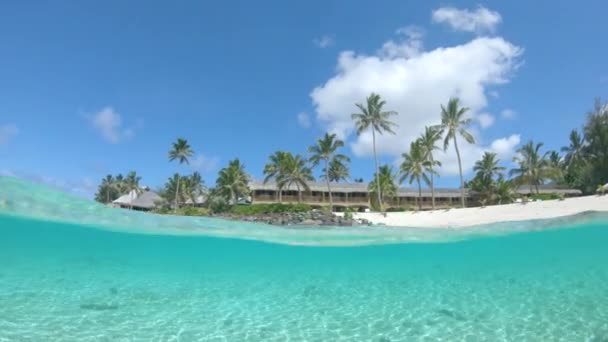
column 72, row 270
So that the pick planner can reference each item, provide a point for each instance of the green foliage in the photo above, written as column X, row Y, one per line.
column 545, row 196
column 417, row 165
column 112, row 187
column 385, row 182
column 348, row 213
column 534, row 167
column 398, row 209
column 373, row 116
column 184, row 211
column 272, row 208
column 453, row 124
column 193, row 211
column 232, row 181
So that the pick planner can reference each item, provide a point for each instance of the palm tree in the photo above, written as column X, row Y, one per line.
column 575, row 151
column 193, row 187
column 428, row 140
column 108, row 187
column 131, row 184
column 373, row 117
column 384, row 182
column 487, row 169
column 416, row 165
column 454, row 123
column 503, row 191
column 119, row 183
column 324, row 151
column 338, row 170
column 274, row 169
column 180, row 151
column 295, row 172
column 533, row 168
column 233, row 181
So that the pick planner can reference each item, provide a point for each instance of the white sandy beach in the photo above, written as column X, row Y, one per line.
column 454, row 218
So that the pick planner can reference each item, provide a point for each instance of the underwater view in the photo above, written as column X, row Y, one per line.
column 73, row 270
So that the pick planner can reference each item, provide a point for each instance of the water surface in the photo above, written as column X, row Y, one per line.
column 75, row 271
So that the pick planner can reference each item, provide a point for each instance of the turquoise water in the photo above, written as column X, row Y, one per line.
column 75, row 271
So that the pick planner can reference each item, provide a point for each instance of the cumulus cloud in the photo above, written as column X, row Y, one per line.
column 109, row 124
column 508, row 114
column 415, row 84
column 324, row 41
column 485, row 120
column 304, row 120
column 7, row 133
column 203, row 163
column 480, row 20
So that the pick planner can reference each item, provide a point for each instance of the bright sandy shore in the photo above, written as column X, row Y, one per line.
column 454, row 218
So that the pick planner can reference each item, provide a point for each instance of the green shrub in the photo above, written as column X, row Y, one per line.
column 545, row 197
column 398, row 209
column 272, row 208
column 348, row 213
column 192, row 211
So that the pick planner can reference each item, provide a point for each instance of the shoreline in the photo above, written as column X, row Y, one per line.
column 466, row 217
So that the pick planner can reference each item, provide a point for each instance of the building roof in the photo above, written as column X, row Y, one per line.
column 356, row 187
column 146, row 200
column 126, row 199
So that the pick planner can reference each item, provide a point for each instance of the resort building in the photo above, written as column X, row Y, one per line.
column 357, row 197
column 145, row 200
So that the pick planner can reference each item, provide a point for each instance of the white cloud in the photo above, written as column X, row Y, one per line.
column 7, row 133
column 408, row 43
column 508, row 114
column 109, row 124
column 203, row 163
column 485, row 120
column 304, row 120
column 414, row 84
column 479, row 21
column 324, row 41
column 503, row 147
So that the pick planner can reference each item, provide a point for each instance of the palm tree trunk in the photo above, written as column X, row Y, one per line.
column 537, row 190
column 432, row 182
column 459, row 169
column 299, row 193
column 377, row 175
column 419, row 195
column 331, row 200
column 176, row 194
column 107, row 196
column 280, row 195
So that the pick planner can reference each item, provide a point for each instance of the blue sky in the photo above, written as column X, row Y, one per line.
column 90, row 88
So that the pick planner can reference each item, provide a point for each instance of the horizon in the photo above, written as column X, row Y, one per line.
column 96, row 89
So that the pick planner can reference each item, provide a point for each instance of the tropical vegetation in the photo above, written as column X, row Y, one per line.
column 325, row 151
column 417, row 165
column 454, row 124
column 373, row 116
column 581, row 164
column 181, row 152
